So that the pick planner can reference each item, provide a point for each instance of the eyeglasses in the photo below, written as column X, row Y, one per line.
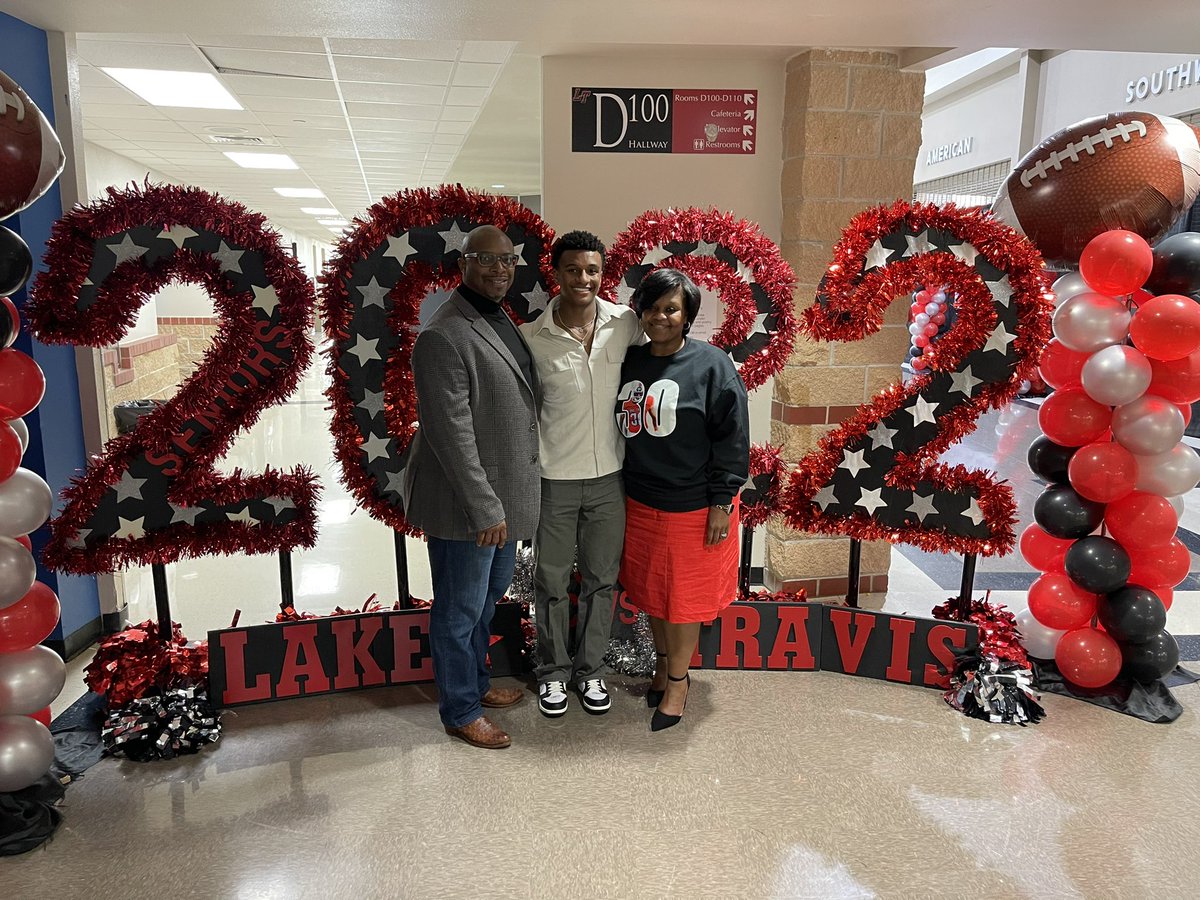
column 508, row 260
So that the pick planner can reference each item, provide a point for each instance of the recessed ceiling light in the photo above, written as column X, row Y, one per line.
column 262, row 160
column 342, row 222
column 319, row 210
column 193, row 90
column 497, row 186
column 338, row 230
column 299, row 192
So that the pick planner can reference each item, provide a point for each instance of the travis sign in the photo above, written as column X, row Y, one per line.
column 663, row 120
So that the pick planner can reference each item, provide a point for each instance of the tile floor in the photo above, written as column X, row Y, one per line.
column 775, row 785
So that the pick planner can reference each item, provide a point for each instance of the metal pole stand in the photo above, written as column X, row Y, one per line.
column 287, row 594
column 855, row 569
column 744, row 567
column 162, row 602
column 967, row 586
column 402, row 570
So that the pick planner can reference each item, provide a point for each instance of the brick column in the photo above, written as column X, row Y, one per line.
column 852, row 128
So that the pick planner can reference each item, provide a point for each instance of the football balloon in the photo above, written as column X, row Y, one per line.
column 31, row 157
column 1132, row 170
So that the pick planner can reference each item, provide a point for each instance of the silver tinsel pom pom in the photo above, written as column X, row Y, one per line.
column 633, row 655
column 995, row 691
column 521, row 589
column 179, row 721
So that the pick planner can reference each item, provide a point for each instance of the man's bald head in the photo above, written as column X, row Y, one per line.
column 482, row 266
column 484, row 238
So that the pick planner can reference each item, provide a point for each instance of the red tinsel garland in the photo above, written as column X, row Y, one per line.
column 998, row 634
column 757, row 253
column 134, row 662
column 764, row 596
column 392, row 216
column 855, row 307
column 765, row 459
column 56, row 319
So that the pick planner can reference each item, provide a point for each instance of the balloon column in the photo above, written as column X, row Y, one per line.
column 927, row 320
column 30, row 675
column 1125, row 368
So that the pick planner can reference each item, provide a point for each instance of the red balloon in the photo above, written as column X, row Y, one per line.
column 920, row 363
column 1116, row 262
column 1186, row 409
column 42, row 715
column 1043, row 551
column 1166, row 564
column 1088, row 658
column 931, row 329
column 1165, row 594
column 924, row 297
column 1058, row 602
column 1141, row 521
column 1060, row 366
column 1178, row 379
column 1167, row 327
column 24, row 541
column 939, row 319
column 22, row 383
column 1071, row 418
column 1102, row 471
column 921, row 340
column 10, row 451
column 30, row 620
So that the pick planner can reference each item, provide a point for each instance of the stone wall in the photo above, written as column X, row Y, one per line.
column 195, row 335
column 145, row 369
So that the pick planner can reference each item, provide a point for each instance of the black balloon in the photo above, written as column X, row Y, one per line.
column 16, row 265
column 1152, row 659
column 1132, row 614
column 1049, row 460
column 10, row 322
column 1097, row 564
column 1062, row 513
column 1176, row 265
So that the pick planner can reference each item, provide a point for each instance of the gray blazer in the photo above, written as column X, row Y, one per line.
column 474, row 460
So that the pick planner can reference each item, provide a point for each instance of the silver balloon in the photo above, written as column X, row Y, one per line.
column 1149, row 425
column 26, row 752
column 17, row 571
column 22, row 430
column 1089, row 321
column 1168, row 474
column 1178, row 504
column 25, row 503
column 29, row 680
column 1067, row 287
column 1116, row 375
column 1036, row 638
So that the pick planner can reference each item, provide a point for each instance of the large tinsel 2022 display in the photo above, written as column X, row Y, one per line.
column 877, row 476
column 155, row 495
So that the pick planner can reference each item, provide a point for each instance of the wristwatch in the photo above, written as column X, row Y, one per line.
column 726, row 508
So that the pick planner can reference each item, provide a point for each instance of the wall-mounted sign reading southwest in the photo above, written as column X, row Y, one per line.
column 663, row 120
column 1175, row 78
column 949, row 151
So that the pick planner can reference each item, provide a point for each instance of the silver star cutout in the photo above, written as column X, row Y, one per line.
column 965, row 252
column 1001, row 291
column 655, row 255
column 853, row 462
column 372, row 402
column 704, row 248
column 881, row 436
column 373, row 293
column 365, row 350
column 745, row 272
column 824, row 497
column 265, row 298
column 281, row 503
column 917, row 243
column 519, row 249
column 538, row 298
column 395, row 481
column 400, row 249
column 877, row 256
column 922, row 411
column 974, row 513
column 129, row 488
column 454, row 239
column 231, row 259
column 242, row 515
column 376, row 447
column 131, row 528
column 760, row 325
column 177, row 234
column 624, row 293
column 999, row 340
column 922, row 506
column 871, row 500
column 79, row 541
column 186, row 514
column 964, row 382
column 126, row 249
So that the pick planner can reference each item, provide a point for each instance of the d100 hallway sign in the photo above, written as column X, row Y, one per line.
column 663, row 120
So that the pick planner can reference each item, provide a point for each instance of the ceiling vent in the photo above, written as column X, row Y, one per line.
column 242, row 140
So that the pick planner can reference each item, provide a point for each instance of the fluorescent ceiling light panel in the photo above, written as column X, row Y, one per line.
column 341, row 222
column 192, row 90
column 262, row 160
column 319, row 210
column 300, row 193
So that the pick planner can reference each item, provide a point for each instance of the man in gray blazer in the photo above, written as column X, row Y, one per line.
column 472, row 483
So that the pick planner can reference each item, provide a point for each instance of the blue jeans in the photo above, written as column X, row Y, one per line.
column 467, row 582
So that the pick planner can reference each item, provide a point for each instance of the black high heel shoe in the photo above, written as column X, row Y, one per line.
column 660, row 719
column 653, row 696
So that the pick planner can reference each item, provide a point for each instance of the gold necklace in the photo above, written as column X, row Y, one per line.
column 579, row 332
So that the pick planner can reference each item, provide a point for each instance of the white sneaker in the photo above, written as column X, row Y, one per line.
column 552, row 698
column 594, row 695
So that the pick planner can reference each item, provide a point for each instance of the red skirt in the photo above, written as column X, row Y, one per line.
column 669, row 573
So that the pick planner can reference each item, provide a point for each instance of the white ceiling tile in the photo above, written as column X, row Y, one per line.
column 193, row 147
column 449, row 138
column 148, row 38
column 393, row 71
column 446, row 50
column 259, row 42
column 139, row 55
column 393, row 111
column 466, row 96
column 453, row 127
column 139, row 111
column 459, row 113
column 294, row 129
column 475, row 74
column 292, row 105
column 312, row 121
column 312, row 65
column 370, row 141
column 392, row 126
column 320, row 141
column 197, row 119
column 246, row 86
column 371, row 92
column 112, row 95
column 486, row 51
column 135, row 127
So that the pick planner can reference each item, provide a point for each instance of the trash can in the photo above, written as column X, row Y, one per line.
column 128, row 412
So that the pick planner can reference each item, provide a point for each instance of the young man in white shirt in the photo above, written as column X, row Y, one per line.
column 578, row 345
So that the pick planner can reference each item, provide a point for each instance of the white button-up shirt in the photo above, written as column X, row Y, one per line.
column 578, row 430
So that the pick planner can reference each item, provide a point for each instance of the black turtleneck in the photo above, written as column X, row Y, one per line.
column 495, row 316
